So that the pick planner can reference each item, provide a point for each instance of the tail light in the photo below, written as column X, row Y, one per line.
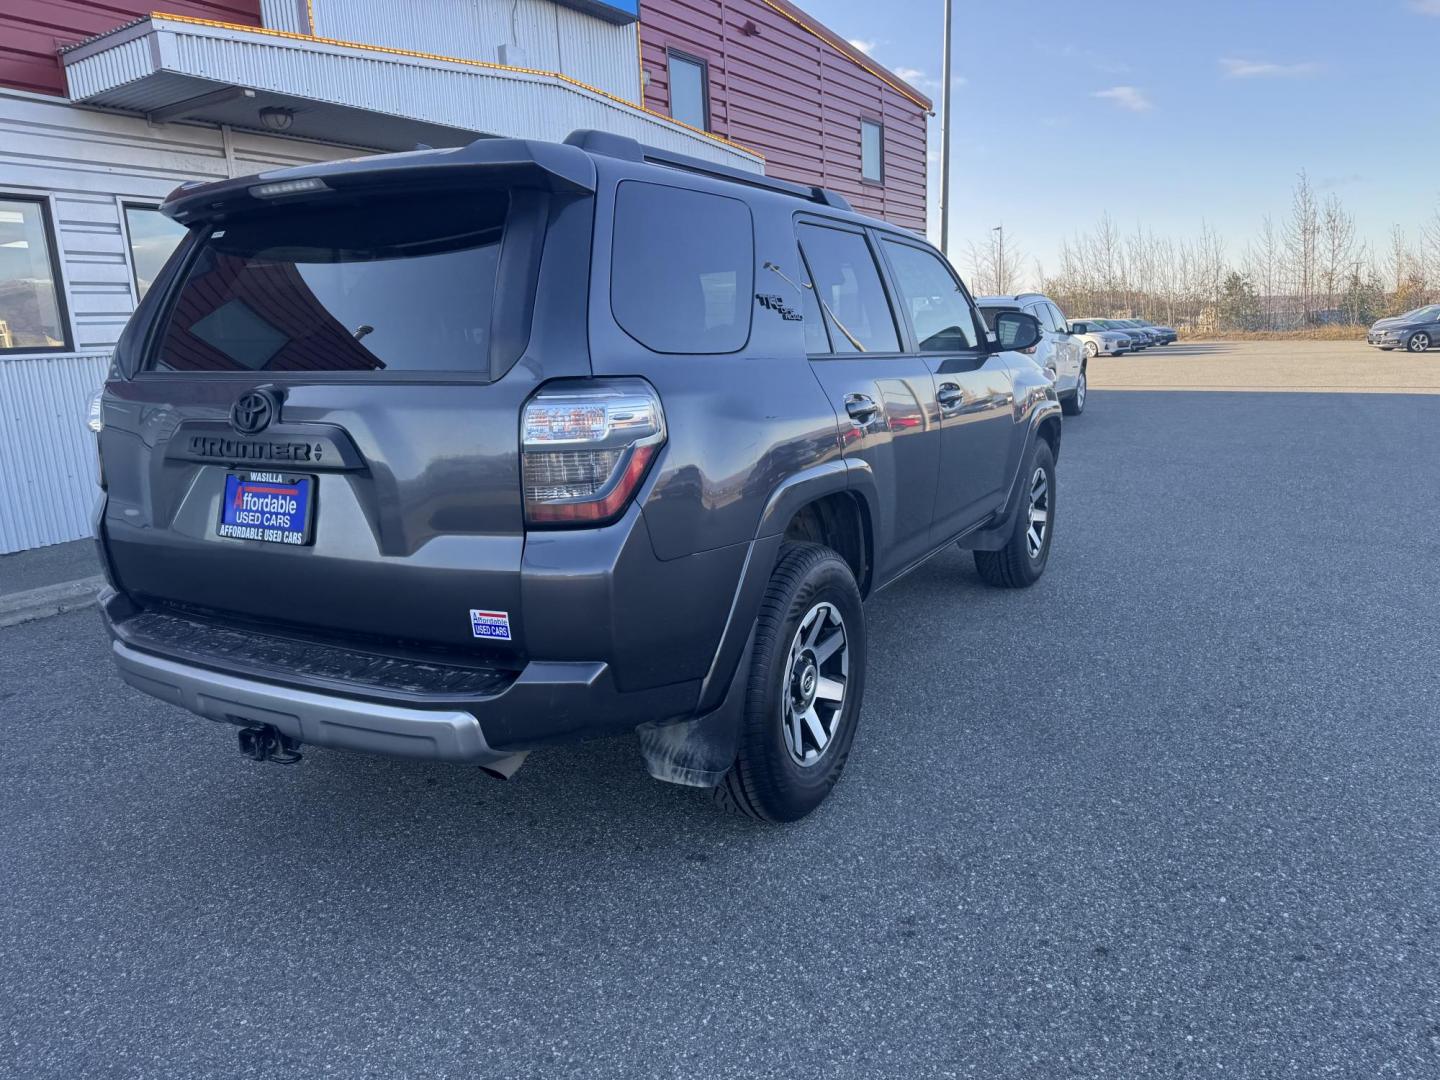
column 585, row 448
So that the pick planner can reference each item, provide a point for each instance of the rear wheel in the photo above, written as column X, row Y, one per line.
column 1419, row 342
column 1022, row 560
column 807, row 675
column 1073, row 404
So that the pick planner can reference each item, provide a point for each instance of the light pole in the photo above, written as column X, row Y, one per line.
column 945, row 133
column 999, row 260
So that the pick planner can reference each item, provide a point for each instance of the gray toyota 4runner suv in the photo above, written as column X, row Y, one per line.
column 461, row 453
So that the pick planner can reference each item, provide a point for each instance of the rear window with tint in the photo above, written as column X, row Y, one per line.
column 989, row 313
column 387, row 286
column 682, row 269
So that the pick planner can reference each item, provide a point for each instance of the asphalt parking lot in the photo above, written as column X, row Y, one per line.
column 1170, row 813
column 1284, row 366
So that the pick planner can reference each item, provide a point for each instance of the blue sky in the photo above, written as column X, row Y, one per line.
column 1164, row 112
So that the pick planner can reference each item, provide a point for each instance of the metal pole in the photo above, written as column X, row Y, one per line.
column 945, row 133
column 1001, row 278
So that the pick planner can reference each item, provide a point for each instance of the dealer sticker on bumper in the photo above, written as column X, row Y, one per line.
column 494, row 625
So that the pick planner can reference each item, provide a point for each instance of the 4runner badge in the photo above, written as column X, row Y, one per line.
column 777, row 304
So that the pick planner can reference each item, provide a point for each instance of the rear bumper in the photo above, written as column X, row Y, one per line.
column 317, row 719
column 324, row 700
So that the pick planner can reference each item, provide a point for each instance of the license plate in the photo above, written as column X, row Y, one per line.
column 273, row 507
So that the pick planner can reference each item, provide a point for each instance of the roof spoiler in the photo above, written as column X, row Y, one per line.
column 607, row 144
column 518, row 163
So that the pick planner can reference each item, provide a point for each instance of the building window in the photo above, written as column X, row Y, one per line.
column 153, row 239
column 689, row 91
column 872, row 151
column 32, row 308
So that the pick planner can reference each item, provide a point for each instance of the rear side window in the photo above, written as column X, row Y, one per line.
column 682, row 269
column 849, row 291
column 989, row 313
column 1042, row 315
column 388, row 286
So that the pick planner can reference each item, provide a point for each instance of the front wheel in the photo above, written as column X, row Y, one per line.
column 1091, row 349
column 807, row 675
column 1419, row 342
column 1073, row 404
column 1022, row 560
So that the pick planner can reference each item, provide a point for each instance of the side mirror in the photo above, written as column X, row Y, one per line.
column 1016, row 330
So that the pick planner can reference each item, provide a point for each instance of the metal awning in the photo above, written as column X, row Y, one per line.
column 171, row 68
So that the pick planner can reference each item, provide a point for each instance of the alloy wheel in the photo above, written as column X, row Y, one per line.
column 814, row 688
column 1080, row 391
column 1039, row 513
column 1420, row 342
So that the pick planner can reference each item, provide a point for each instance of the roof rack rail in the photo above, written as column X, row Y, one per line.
column 625, row 148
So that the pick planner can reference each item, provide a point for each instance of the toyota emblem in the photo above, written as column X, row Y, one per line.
column 253, row 412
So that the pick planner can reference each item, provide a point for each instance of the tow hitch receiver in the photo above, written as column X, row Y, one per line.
column 269, row 743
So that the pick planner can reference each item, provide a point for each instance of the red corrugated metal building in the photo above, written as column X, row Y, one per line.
column 772, row 78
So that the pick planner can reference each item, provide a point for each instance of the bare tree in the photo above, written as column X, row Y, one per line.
column 1337, row 245
column 1302, row 243
column 997, row 266
column 1431, row 244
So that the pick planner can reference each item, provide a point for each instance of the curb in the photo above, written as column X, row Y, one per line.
column 48, row 600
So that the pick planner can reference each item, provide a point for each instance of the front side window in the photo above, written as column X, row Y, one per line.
column 939, row 311
column 872, row 151
column 153, row 239
column 32, row 312
column 689, row 91
column 1057, row 316
column 387, row 285
column 849, row 290
column 682, row 270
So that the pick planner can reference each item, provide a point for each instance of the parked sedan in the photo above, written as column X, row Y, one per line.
column 1139, row 339
column 1140, row 328
column 1099, row 340
column 1416, row 331
column 1166, row 334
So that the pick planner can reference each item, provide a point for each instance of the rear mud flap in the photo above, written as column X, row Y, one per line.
column 699, row 752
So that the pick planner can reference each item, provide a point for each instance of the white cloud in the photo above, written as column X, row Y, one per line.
column 1263, row 69
column 911, row 75
column 1104, row 62
column 867, row 47
column 1126, row 97
column 1425, row 7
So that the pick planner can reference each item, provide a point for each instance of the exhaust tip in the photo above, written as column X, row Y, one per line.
column 506, row 767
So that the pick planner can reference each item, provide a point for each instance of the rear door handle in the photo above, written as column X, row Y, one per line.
column 861, row 407
column 950, row 395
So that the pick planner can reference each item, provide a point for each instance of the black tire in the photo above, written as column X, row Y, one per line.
column 1073, row 403
column 1419, row 342
column 767, row 782
column 1013, row 566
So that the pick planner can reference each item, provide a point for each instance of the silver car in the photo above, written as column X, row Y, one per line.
column 1100, row 340
column 1060, row 353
